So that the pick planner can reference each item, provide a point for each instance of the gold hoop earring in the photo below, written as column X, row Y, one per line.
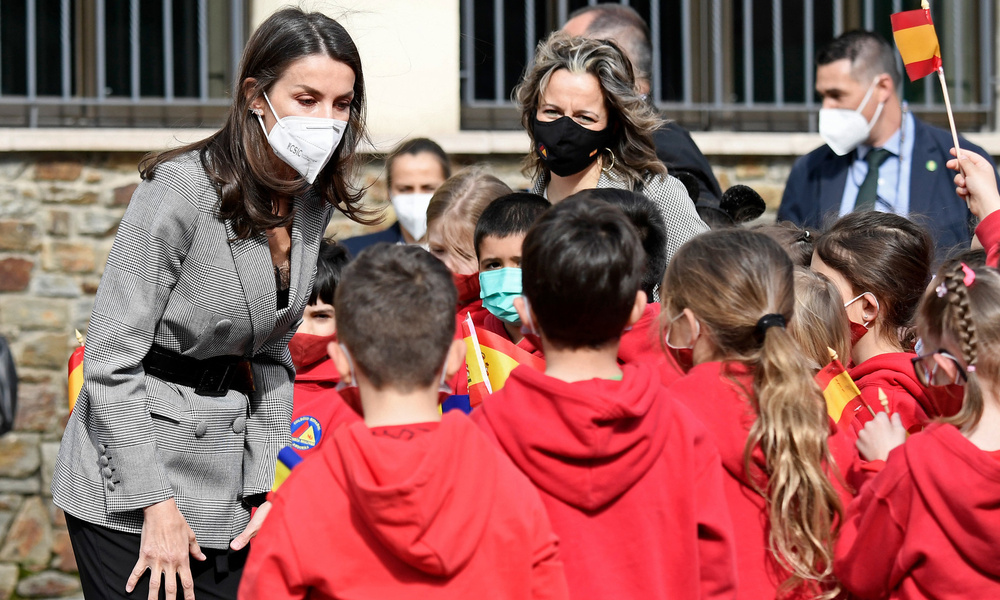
column 608, row 168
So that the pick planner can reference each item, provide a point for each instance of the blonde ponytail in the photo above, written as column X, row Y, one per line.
column 791, row 430
column 740, row 284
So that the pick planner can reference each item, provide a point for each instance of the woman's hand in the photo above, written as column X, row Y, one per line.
column 253, row 527
column 880, row 436
column 976, row 182
column 167, row 540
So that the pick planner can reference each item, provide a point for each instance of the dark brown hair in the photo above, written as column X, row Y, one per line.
column 581, row 267
column 797, row 241
column 730, row 279
column 238, row 158
column 414, row 147
column 887, row 255
column 396, row 315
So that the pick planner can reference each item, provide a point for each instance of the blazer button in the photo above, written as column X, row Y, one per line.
column 104, row 461
column 107, row 472
column 111, row 487
column 201, row 430
column 102, row 448
column 239, row 424
column 222, row 327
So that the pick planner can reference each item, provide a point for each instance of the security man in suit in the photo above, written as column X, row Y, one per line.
column 878, row 155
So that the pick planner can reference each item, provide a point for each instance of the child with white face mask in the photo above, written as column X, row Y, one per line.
column 413, row 172
column 880, row 263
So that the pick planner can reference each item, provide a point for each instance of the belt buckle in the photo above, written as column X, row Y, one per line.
column 214, row 381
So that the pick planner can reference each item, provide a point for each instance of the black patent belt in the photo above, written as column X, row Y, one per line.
column 208, row 376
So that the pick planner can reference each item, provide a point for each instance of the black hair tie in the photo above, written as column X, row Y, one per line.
column 765, row 323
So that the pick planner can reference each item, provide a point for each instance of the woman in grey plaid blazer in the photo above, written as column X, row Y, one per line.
column 590, row 128
column 187, row 388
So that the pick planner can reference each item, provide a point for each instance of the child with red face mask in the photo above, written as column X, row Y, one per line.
column 452, row 215
column 727, row 298
column 317, row 408
column 926, row 525
column 881, row 264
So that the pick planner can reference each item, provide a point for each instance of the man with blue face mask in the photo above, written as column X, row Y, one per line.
column 878, row 155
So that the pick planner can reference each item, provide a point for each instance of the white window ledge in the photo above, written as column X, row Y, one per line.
column 713, row 143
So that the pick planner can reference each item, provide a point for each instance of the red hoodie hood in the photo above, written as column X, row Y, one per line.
column 415, row 496
column 895, row 370
column 960, row 486
column 599, row 439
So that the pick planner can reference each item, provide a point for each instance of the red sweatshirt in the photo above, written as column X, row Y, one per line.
column 988, row 233
column 641, row 344
column 630, row 481
column 928, row 525
column 419, row 511
column 317, row 408
column 893, row 374
column 718, row 399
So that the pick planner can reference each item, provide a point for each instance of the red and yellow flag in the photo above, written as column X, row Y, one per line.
column 490, row 358
column 917, row 41
column 843, row 398
column 75, row 369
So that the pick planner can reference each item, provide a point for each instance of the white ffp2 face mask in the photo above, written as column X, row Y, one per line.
column 843, row 129
column 304, row 143
column 411, row 210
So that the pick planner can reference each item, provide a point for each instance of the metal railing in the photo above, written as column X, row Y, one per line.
column 731, row 64
column 118, row 62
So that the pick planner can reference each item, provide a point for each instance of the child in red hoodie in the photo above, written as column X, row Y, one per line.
column 499, row 235
column 317, row 408
column 407, row 504
column 629, row 478
column 977, row 183
column 881, row 264
column 727, row 297
column 928, row 526
column 640, row 342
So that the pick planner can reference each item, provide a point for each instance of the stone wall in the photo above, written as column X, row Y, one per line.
column 58, row 217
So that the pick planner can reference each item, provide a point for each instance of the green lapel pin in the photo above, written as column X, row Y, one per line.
column 931, row 165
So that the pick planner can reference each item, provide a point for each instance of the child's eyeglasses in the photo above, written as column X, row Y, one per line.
column 928, row 376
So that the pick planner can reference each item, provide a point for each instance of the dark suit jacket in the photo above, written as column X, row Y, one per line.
column 815, row 189
column 392, row 235
column 676, row 149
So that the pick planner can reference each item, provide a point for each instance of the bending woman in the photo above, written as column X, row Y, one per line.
column 590, row 128
column 187, row 376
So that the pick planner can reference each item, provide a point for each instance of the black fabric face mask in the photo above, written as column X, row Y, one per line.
column 566, row 147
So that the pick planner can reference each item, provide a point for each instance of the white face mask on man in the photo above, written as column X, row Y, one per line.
column 843, row 129
column 305, row 143
column 411, row 211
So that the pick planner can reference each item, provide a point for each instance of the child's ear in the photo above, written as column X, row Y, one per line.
column 869, row 308
column 522, row 310
column 340, row 361
column 455, row 358
column 638, row 308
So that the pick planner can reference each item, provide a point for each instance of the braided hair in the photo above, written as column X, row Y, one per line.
column 962, row 308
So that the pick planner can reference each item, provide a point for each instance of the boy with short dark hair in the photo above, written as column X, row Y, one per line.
column 407, row 503
column 629, row 477
column 498, row 237
column 641, row 341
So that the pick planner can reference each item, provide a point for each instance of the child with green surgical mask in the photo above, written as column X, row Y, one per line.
column 498, row 237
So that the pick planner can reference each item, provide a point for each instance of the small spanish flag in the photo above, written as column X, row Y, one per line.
column 917, row 41
column 75, row 368
column 288, row 459
column 843, row 398
column 490, row 359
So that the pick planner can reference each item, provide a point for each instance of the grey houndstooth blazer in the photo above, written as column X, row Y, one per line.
column 670, row 197
column 175, row 280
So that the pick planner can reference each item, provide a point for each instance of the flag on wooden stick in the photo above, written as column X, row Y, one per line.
column 917, row 41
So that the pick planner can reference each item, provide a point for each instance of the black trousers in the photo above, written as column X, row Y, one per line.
column 106, row 558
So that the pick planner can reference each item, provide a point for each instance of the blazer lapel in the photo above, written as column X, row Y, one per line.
column 922, row 181
column 832, row 180
column 253, row 265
